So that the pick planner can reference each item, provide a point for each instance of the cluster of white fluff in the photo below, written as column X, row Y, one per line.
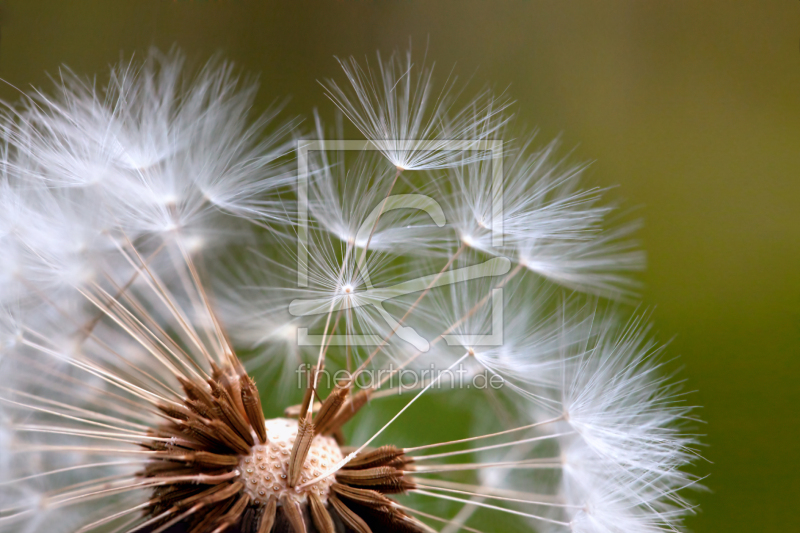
column 157, row 166
column 154, row 153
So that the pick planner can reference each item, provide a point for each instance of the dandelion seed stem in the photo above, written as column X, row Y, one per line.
column 532, row 464
column 322, row 348
column 460, row 527
column 531, row 426
column 410, row 310
column 378, row 218
column 489, row 506
column 435, row 341
column 500, row 498
column 70, row 469
column 164, row 296
column 112, row 517
column 490, row 490
column 87, row 329
column 491, row 447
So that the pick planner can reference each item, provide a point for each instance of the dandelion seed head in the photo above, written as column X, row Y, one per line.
column 127, row 297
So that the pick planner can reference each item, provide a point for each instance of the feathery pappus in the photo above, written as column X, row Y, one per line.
column 198, row 337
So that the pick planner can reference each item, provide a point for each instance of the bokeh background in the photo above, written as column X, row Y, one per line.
column 690, row 107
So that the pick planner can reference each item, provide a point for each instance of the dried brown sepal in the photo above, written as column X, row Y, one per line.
column 319, row 514
column 250, row 519
column 234, row 515
column 383, row 456
column 413, row 525
column 205, row 525
column 166, row 469
column 228, row 378
column 230, row 438
column 201, row 500
column 197, row 392
column 200, row 431
column 402, row 463
column 230, row 414
column 234, row 388
column 367, row 497
column 217, row 372
column 152, row 525
column 251, row 400
column 403, row 523
column 385, row 479
column 312, row 378
column 350, row 519
column 200, row 408
column 348, row 410
column 216, row 493
column 300, row 449
column 294, row 513
column 170, row 497
column 230, row 490
column 206, row 459
column 178, row 412
column 268, row 514
column 389, row 519
column 178, row 443
column 176, row 432
column 330, row 408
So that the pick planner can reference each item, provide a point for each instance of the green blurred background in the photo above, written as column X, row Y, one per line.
column 691, row 107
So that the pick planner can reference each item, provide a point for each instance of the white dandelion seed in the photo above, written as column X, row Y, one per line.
column 414, row 127
column 354, row 204
column 605, row 499
column 162, row 150
column 548, row 223
column 618, row 398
